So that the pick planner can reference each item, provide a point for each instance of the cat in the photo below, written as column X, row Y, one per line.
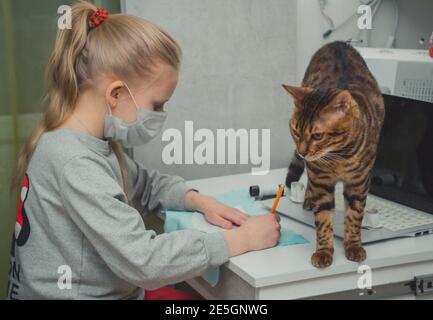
column 336, row 122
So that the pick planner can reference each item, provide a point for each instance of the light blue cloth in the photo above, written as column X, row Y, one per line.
column 179, row 220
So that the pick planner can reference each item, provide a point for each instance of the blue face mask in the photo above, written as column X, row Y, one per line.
column 144, row 129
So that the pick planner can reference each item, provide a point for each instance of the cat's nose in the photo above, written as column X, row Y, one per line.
column 302, row 150
column 302, row 154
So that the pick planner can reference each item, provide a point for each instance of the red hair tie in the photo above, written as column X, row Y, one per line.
column 430, row 51
column 97, row 17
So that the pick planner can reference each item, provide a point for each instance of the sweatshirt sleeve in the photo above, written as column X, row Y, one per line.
column 95, row 203
column 149, row 189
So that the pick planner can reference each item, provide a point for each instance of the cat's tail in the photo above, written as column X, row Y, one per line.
column 296, row 168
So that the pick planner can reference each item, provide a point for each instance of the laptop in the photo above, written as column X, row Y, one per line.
column 401, row 188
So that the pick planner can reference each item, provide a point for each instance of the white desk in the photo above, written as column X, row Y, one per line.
column 286, row 272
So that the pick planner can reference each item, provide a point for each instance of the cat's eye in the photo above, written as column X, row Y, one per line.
column 317, row 136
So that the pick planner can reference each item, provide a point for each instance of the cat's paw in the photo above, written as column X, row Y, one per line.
column 308, row 204
column 356, row 254
column 321, row 259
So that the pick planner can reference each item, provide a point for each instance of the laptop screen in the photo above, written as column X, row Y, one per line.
column 403, row 170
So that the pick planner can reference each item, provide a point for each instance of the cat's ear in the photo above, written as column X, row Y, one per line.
column 298, row 93
column 342, row 101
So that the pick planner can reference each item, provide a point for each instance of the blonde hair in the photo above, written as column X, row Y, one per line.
column 123, row 46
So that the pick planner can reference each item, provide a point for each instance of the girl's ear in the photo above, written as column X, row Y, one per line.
column 298, row 93
column 113, row 93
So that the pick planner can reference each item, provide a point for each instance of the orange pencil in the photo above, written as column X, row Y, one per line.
column 277, row 199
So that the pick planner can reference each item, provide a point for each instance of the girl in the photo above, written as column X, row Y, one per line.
column 79, row 233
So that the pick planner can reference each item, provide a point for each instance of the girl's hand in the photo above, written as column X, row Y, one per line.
column 259, row 232
column 214, row 211
column 221, row 215
column 255, row 233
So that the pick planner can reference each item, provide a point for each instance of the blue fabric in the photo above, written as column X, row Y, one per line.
column 180, row 220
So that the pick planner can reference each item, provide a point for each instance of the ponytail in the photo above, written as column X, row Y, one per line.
column 61, row 81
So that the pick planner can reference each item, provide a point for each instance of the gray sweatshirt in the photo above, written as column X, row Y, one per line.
column 77, row 238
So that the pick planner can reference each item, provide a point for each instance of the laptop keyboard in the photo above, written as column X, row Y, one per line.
column 393, row 217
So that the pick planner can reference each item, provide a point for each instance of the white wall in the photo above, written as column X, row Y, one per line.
column 415, row 21
column 236, row 55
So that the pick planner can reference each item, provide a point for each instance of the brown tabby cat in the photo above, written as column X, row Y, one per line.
column 336, row 124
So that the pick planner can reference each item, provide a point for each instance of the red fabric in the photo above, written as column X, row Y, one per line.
column 430, row 51
column 167, row 293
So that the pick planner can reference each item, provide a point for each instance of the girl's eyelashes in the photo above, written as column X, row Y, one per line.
column 159, row 105
column 158, row 108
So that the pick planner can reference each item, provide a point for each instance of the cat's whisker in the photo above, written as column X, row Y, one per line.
column 335, row 156
column 325, row 164
column 347, row 150
column 322, row 160
column 331, row 156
